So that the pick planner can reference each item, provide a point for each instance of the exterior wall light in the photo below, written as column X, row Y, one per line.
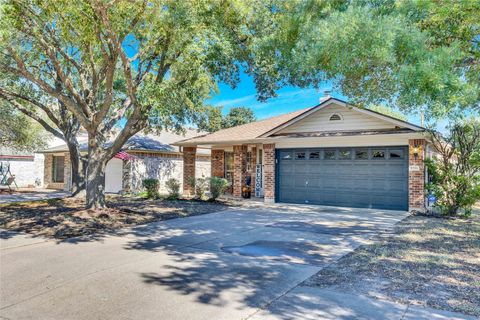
column 416, row 151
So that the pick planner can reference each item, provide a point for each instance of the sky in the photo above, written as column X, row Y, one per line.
column 289, row 99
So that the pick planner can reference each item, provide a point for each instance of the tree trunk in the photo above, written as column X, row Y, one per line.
column 95, row 179
column 78, row 168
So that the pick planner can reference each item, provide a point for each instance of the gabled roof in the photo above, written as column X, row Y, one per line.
column 329, row 101
column 244, row 132
column 268, row 127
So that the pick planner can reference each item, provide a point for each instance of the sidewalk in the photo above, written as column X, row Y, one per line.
column 39, row 194
column 316, row 303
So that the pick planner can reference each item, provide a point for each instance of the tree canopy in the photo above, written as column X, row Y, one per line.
column 142, row 63
column 381, row 52
column 19, row 132
column 236, row 116
column 389, row 112
column 119, row 67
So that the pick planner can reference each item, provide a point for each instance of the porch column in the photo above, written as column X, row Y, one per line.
column 67, row 175
column 253, row 166
column 239, row 169
column 416, row 175
column 218, row 163
column 47, row 170
column 269, row 172
column 126, row 176
column 189, row 155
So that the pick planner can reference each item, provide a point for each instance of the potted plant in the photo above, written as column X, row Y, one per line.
column 246, row 192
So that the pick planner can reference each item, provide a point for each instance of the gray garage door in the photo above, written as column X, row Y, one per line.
column 375, row 177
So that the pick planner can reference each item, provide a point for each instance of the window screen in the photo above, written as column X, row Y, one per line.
column 58, row 169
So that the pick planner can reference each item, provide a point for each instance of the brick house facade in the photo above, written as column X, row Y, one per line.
column 383, row 166
column 144, row 156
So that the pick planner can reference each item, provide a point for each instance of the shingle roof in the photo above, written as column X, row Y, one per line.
column 139, row 142
column 243, row 132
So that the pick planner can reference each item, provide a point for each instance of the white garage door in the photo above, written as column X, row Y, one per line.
column 113, row 175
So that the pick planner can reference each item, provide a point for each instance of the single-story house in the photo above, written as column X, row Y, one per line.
column 330, row 154
column 27, row 167
column 142, row 156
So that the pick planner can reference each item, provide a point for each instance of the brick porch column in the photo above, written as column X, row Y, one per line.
column 239, row 169
column 189, row 155
column 416, row 175
column 253, row 166
column 47, row 170
column 218, row 163
column 67, row 174
column 126, row 176
column 269, row 172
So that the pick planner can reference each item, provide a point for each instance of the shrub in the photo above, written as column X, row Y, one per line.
column 192, row 182
column 218, row 186
column 454, row 176
column 201, row 187
column 173, row 188
column 151, row 186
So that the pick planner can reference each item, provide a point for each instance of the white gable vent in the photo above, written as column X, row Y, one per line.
column 335, row 117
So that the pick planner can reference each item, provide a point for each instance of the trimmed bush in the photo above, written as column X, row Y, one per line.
column 201, row 187
column 151, row 186
column 173, row 188
column 218, row 186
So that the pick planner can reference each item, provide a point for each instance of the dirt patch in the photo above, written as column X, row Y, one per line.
column 427, row 261
column 66, row 218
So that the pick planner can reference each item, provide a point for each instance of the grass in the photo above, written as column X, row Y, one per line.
column 427, row 261
column 66, row 218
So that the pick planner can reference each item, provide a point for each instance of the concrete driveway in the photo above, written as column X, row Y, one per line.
column 236, row 264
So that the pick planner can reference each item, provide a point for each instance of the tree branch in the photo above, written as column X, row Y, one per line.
column 32, row 115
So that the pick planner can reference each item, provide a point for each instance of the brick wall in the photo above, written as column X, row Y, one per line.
column 416, row 175
column 47, row 170
column 189, row 156
column 269, row 172
column 48, row 167
column 127, row 176
column 67, row 175
column 253, row 164
column 239, row 169
column 218, row 163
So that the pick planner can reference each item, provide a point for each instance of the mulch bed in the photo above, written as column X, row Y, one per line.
column 427, row 261
column 66, row 218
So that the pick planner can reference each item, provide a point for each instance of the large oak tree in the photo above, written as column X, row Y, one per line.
column 118, row 67
column 417, row 56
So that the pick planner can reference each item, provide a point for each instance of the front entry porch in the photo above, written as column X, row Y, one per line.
column 245, row 166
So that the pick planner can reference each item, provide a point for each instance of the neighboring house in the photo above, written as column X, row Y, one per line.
column 27, row 167
column 331, row 154
column 142, row 156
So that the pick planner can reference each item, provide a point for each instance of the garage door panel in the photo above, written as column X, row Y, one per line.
column 370, row 183
column 286, row 168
